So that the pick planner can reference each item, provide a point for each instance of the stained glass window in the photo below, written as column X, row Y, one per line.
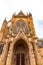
column 21, row 24
column 26, row 30
column 15, row 30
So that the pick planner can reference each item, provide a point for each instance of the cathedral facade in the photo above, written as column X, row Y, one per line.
column 19, row 43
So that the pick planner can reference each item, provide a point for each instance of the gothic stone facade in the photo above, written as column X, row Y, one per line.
column 18, row 42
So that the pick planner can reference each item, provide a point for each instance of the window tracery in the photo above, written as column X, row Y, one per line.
column 16, row 30
column 26, row 30
column 21, row 25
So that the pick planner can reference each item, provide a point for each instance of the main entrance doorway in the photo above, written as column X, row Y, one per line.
column 20, row 53
column 20, row 59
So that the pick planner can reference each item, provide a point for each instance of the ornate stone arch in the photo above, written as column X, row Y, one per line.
column 25, row 48
column 23, row 37
column 22, row 40
column 21, row 20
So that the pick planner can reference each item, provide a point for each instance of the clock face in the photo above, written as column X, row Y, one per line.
column 22, row 25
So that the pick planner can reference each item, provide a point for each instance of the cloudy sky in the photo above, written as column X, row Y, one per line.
column 8, row 7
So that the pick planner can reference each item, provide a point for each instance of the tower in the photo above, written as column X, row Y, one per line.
column 19, row 41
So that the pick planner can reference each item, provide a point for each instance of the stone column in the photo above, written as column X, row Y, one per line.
column 10, row 55
column 4, row 53
column 37, row 55
column 32, row 62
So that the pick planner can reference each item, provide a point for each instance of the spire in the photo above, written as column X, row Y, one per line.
column 5, row 20
column 30, row 15
column 14, row 14
column 4, row 24
column 27, row 14
column 21, row 13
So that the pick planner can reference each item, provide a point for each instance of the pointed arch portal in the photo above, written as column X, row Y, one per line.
column 20, row 53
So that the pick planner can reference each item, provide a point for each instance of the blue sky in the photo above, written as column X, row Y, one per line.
column 39, row 28
column 8, row 7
